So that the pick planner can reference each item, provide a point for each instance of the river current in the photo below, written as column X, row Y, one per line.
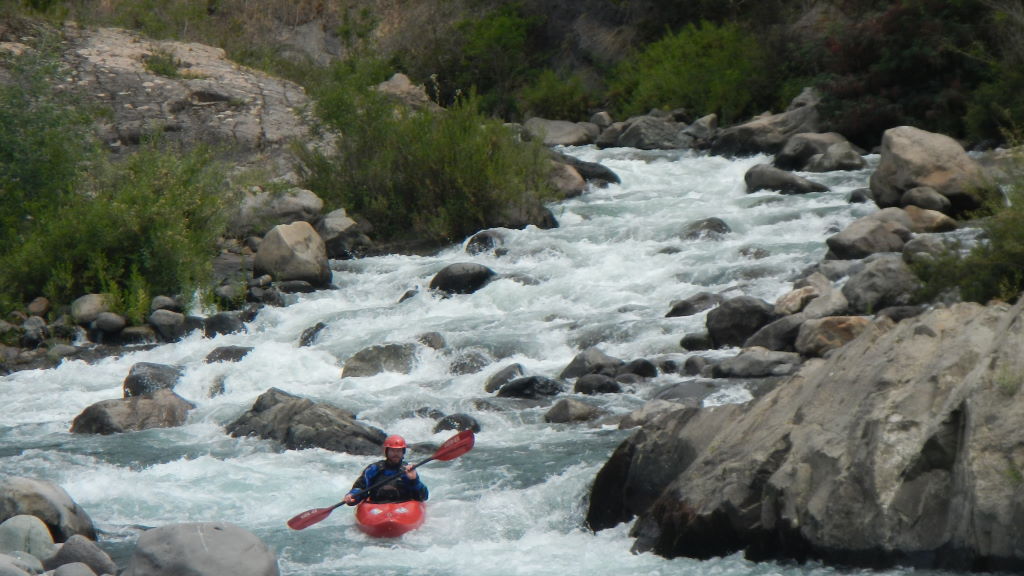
column 515, row 504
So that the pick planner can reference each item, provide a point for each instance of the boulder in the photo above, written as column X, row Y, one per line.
column 531, row 387
column 868, row 235
column 757, row 362
column 461, row 278
column 458, row 421
column 795, row 300
column 223, row 323
column 569, row 410
column 652, row 133
column 344, row 238
column 227, row 354
column 911, row 157
column 86, row 308
column 779, row 335
column 767, row 177
column 80, row 550
column 800, row 148
column 260, row 210
column 839, row 156
column 566, row 180
column 768, row 133
column 170, row 326
column 736, row 319
column 484, row 242
column 926, row 197
column 885, row 281
column 591, row 361
column 394, row 357
column 293, row 252
column 401, row 89
column 706, row 229
column 148, row 377
column 894, row 451
column 160, row 409
column 592, row 172
column 27, row 534
column 46, row 501
column 694, row 304
column 299, row 423
column 201, row 549
column 558, row 132
column 504, row 376
column 821, row 335
column 590, row 384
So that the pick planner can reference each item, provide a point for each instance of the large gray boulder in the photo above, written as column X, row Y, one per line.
column 299, row 423
column 868, row 235
column 736, row 319
column 80, row 550
column 911, row 157
column 160, row 409
column 343, row 237
column 201, row 549
column 46, row 501
column 558, row 132
column 767, row 134
column 800, row 148
column 767, row 177
column 148, row 377
column 293, row 252
column 26, row 533
column 885, row 281
column 373, row 360
column 461, row 278
column 260, row 210
column 902, row 448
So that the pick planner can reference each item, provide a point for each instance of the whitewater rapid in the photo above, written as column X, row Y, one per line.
column 515, row 504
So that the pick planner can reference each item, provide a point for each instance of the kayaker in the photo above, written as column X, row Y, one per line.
column 408, row 487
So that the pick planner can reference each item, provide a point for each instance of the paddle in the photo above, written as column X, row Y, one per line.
column 452, row 448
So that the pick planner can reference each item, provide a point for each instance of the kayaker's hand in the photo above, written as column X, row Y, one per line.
column 349, row 499
column 410, row 473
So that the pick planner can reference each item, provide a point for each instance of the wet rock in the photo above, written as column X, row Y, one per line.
column 461, row 278
column 299, row 423
column 201, row 549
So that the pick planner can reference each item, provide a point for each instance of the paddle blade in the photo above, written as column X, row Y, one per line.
column 455, row 446
column 309, row 517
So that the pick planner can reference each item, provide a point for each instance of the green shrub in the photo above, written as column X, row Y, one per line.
column 996, row 110
column 433, row 176
column 992, row 269
column 707, row 68
column 494, row 56
column 145, row 226
column 44, row 138
column 552, row 96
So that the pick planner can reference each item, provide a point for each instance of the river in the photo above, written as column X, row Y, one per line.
column 513, row 505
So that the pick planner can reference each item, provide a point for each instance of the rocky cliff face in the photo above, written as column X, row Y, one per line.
column 199, row 96
column 905, row 446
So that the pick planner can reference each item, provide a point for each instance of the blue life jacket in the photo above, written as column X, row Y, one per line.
column 398, row 490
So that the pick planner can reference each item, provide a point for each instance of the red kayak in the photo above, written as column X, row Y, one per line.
column 388, row 520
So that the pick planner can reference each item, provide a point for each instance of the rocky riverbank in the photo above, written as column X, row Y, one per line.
column 885, row 434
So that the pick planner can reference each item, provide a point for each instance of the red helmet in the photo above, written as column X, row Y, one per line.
column 394, row 441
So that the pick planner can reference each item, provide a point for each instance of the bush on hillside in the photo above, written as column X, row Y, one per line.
column 418, row 175
column 879, row 75
column 552, row 96
column 145, row 226
column 704, row 69
column 991, row 269
column 44, row 138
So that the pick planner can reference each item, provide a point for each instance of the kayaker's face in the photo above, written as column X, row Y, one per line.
column 394, row 455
